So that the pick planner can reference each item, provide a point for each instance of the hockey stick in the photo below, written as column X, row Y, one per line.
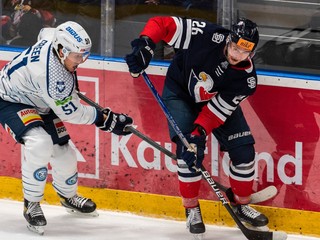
column 131, row 129
column 249, row 233
column 151, row 142
column 257, row 197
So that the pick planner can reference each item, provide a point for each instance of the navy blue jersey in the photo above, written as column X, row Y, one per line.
column 200, row 71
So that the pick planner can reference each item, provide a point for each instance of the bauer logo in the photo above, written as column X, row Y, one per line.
column 41, row 174
column 239, row 135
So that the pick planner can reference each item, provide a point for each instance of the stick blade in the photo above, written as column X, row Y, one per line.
column 264, row 195
column 260, row 235
column 279, row 235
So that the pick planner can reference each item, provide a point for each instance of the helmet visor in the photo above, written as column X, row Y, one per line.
column 78, row 57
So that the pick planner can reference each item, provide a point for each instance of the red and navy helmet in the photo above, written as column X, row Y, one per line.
column 245, row 34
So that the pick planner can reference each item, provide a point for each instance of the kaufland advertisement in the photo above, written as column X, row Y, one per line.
column 283, row 116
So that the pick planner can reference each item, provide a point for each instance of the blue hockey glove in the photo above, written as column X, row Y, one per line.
column 194, row 157
column 142, row 53
column 115, row 122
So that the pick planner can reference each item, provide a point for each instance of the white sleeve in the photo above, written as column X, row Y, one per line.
column 71, row 110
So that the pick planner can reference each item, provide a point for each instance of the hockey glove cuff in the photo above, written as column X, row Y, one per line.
column 115, row 122
column 194, row 157
column 142, row 53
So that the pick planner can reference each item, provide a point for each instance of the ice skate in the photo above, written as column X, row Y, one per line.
column 248, row 215
column 33, row 214
column 79, row 205
column 195, row 222
column 253, row 219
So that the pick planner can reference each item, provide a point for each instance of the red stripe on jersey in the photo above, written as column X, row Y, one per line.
column 160, row 28
column 208, row 120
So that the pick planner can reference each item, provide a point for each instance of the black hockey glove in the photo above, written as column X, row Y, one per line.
column 115, row 122
column 142, row 53
column 194, row 157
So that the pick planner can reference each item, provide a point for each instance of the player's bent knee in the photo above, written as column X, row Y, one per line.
column 242, row 154
column 38, row 146
column 64, row 158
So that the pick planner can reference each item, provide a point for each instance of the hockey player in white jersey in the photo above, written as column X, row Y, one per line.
column 38, row 92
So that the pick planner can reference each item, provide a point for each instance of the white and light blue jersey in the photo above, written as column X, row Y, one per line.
column 37, row 78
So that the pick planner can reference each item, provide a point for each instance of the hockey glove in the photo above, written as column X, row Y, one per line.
column 194, row 157
column 142, row 53
column 115, row 122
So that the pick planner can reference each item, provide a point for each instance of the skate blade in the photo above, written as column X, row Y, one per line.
column 197, row 236
column 81, row 214
column 36, row 229
column 261, row 229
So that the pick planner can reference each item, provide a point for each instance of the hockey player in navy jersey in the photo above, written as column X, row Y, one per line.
column 210, row 75
column 38, row 92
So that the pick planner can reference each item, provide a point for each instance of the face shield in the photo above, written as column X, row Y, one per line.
column 76, row 57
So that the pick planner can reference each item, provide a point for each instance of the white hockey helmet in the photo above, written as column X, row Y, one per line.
column 73, row 39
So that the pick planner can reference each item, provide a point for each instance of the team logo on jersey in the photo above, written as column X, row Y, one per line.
column 41, row 174
column 60, row 128
column 29, row 115
column 60, row 86
column 251, row 82
column 217, row 37
column 199, row 87
column 72, row 180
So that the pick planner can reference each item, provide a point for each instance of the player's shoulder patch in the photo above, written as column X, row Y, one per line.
column 219, row 33
column 252, row 82
column 217, row 37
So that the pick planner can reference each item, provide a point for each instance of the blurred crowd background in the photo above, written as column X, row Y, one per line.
column 289, row 30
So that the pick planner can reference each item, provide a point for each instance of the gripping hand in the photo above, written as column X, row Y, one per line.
column 115, row 122
column 142, row 53
column 194, row 157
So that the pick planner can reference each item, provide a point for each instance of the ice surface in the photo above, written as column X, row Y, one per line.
column 109, row 225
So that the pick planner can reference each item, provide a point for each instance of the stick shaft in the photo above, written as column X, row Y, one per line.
column 131, row 129
column 250, row 234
